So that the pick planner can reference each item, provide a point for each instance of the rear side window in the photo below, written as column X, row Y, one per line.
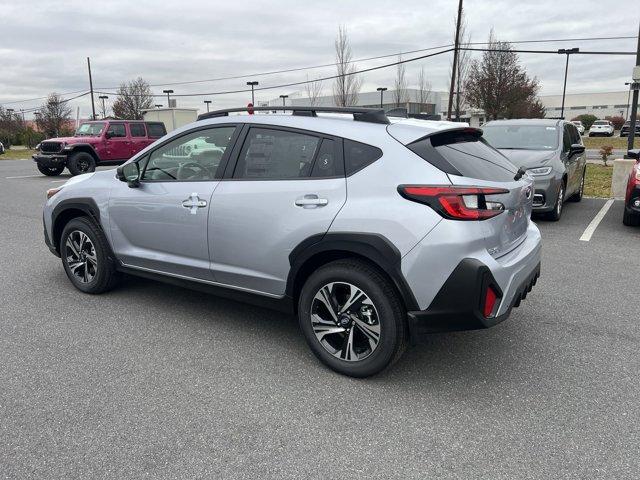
column 137, row 130
column 328, row 162
column 276, row 154
column 359, row 155
column 156, row 130
column 464, row 153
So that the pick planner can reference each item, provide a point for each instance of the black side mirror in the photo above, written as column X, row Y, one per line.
column 130, row 173
column 107, row 135
column 576, row 148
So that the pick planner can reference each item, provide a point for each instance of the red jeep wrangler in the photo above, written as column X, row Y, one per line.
column 107, row 142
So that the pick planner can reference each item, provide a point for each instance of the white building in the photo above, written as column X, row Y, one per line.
column 601, row 105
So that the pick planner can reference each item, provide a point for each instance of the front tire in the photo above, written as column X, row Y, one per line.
column 50, row 171
column 81, row 162
column 352, row 318
column 555, row 214
column 86, row 257
column 629, row 219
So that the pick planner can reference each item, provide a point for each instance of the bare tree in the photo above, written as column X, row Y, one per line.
column 424, row 88
column 133, row 97
column 400, row 92
column 463, row 63
column 313, row 89
column 499, row 85
column 347, row 85
column 10, row 126
column 54, row 116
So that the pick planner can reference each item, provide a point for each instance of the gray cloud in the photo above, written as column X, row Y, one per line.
column 43, row 44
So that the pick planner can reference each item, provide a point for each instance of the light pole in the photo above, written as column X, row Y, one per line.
column 381, row 90
column 207, row 103
column 284, row 97
column 567, row 52
column 168, row 92
column 252, row 84
column 158, row 105
column 626, row 115
column 104, row 108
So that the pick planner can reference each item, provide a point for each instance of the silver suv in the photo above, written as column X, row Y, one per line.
column 373, row 231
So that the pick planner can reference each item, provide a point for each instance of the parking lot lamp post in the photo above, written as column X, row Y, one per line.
column 567, row 52
column 158, row 105
column 168, row 92
column 252, row 84
column 284, row 97
column 104, row 108
column 381, row 90
column 626, row 114
column 207, row 103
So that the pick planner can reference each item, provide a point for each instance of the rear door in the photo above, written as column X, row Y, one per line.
column 285, row 186
column 469, row 160
column 138, row 134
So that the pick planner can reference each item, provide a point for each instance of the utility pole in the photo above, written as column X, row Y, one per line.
column 455, row 59
column 567, row 52
column 93, row 106
column 381, row 90
column 634, row 102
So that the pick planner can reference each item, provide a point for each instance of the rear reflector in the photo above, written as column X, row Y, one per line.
column 490, row 298
column 454, row 202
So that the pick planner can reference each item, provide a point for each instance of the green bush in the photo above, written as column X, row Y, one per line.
column 587, row 120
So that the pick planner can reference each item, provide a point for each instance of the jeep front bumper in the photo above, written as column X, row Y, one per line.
column 53, row 160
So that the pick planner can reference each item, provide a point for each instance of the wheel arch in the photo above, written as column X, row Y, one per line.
column 66, row 211
column 318, row 250
column 86, row 148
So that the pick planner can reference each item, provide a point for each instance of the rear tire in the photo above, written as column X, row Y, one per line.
column 629, row 219
column 86, row 257
column 364, row 338
column 81, row 162
column 555, row 214
column 50, row 171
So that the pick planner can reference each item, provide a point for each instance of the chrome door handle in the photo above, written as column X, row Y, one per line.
column 194, row 203
column 311, row 201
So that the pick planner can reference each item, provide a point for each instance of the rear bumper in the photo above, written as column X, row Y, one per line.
column 459, row 303
column 53, row 160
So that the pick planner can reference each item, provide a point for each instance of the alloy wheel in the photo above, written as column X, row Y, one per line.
column 81, row 256
column 560, row 200
column 345, row 321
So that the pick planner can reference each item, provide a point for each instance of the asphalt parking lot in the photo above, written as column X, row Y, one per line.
column 155, row 381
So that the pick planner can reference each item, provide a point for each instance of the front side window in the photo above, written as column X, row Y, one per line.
column 276, row 154
column 137, row 130
column 566, row 139
column 195, row 156
column 116, row 130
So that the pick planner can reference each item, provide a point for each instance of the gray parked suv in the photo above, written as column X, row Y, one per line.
column 551, row 151
column 373, row 231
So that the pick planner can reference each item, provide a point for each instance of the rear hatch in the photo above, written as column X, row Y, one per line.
column 469, row 161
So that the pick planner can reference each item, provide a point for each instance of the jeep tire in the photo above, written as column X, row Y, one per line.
column 81, row 162
column 50, row 171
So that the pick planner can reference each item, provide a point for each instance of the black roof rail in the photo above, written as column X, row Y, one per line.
column 360, row 114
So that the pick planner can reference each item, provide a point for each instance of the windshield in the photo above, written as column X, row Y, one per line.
column 521, row 137
column 90, row 129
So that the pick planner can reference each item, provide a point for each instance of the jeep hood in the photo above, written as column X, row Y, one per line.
column 68, row 140
column 528, row 158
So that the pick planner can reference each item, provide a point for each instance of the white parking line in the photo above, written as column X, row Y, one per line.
column 588, row 232
column 25, row 176
column 59, row 181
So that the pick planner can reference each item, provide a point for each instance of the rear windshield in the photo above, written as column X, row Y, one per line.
column 464, row 153
column 156, row 130
column 521, row 137
column 600, row 122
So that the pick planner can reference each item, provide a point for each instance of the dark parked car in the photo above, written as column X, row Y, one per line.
column 624, row 131
column 632, row 198
column 107, row 142
column 549, row 150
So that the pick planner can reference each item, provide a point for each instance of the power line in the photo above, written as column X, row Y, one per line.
column 543, row 51
column 38, row 98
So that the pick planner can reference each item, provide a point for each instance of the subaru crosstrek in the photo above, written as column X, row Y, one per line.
column 372, row 231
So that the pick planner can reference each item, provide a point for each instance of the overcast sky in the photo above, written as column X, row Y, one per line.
column 44, row 44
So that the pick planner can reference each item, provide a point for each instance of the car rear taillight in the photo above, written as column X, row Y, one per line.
column 490, row 298
column 455, row 202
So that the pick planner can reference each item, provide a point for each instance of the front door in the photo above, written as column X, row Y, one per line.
column 287, row 186
column 118, row 142
column 161, row 225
